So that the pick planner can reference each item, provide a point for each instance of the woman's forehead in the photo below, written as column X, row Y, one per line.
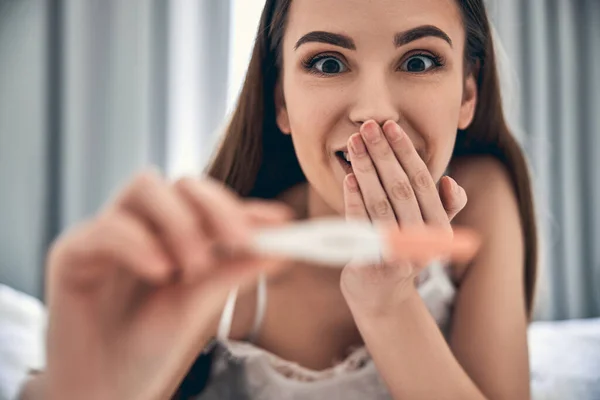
column 373, row 18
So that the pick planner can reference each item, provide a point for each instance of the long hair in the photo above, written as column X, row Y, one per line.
column 256, row 160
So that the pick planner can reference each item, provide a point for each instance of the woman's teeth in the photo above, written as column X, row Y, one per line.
column 344, row 159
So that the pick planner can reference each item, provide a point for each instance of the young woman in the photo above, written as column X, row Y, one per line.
column 385, row 110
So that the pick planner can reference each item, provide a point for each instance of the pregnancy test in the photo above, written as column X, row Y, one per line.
column 336, row 242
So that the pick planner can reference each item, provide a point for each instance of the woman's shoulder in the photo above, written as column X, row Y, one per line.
column 480, row 174
column 492, row 208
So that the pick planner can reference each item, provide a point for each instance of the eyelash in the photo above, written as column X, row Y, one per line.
column 309, row 63
column 438, row 61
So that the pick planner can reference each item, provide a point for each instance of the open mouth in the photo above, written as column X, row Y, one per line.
column 344, row 160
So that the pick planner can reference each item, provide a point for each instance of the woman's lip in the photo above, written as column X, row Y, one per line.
column 421, row 152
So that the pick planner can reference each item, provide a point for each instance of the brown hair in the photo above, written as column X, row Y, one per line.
column 255, row 159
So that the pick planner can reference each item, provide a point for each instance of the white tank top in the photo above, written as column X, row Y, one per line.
column 242, row 370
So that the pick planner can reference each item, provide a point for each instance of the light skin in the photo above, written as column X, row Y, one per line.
column 133, row 293
column 321, row 112
column 156, row 270
column 362, row 80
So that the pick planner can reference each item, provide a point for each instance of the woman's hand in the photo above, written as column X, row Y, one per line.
column 134, row 294
column 391, row 184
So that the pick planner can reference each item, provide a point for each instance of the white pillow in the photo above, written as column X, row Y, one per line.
column 565, row 359
column 22, row 335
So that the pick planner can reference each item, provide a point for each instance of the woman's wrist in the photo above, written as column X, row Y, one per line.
column 391, row 307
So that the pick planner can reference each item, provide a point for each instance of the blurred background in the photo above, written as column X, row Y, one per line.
column 93, row 90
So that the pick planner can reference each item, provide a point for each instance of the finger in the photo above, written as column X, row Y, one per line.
column 245, row 271
column 114, row 239
column 353, row 202
column 454, row 197
column 263, row 213
column 374, row 196
column 423, row 185
column 221, row 213
column 395, row 181
column 151, row 199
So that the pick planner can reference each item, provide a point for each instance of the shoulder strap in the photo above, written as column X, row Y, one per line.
column 261, row 306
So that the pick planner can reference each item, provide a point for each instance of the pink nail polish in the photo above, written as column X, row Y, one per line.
column 371, row 133
column 352, row 182
column 393, row 132
column 358, row 146
column 453, row 185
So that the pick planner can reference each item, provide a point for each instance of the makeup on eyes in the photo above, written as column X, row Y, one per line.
column 436, row 60
column 400, row 40
column 314, row 64
column 309, row 63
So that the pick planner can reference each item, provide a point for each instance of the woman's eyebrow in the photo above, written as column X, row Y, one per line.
column 400, row 39
column 403, row 38
column 335, row 39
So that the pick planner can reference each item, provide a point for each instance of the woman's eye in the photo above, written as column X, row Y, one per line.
column 418, row 64
column 329, row 66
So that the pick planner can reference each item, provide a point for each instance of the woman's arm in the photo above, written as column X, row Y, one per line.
column 134, row 292
column 412, row 356
column 489, row 336
column 487, row 356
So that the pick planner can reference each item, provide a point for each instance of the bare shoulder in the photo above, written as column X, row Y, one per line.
column 490, row 305
column 492, row 208
column 482, row 176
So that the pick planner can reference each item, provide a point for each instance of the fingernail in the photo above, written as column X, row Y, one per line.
column 392, row 132
column 371, row 132
column 358, row 146
column 454, row 185
column 352, row 182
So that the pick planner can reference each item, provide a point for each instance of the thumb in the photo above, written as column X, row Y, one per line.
column 453, row 196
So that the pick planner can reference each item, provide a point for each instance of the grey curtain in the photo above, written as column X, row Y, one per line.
column 23, row 142
column 554, row 49
column 89, row 79
column 87, row 97
column 90, row 91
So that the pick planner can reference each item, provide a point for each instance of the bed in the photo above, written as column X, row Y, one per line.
column 564, row 356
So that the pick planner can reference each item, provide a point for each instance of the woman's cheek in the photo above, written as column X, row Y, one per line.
column 433, row 119
column 319, row 107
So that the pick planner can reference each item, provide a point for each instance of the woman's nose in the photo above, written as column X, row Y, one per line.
column 374, row 101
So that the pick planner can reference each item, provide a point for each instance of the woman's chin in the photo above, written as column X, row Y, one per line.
column 338, row 207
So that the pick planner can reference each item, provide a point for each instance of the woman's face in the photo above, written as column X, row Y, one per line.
column 349, row 61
